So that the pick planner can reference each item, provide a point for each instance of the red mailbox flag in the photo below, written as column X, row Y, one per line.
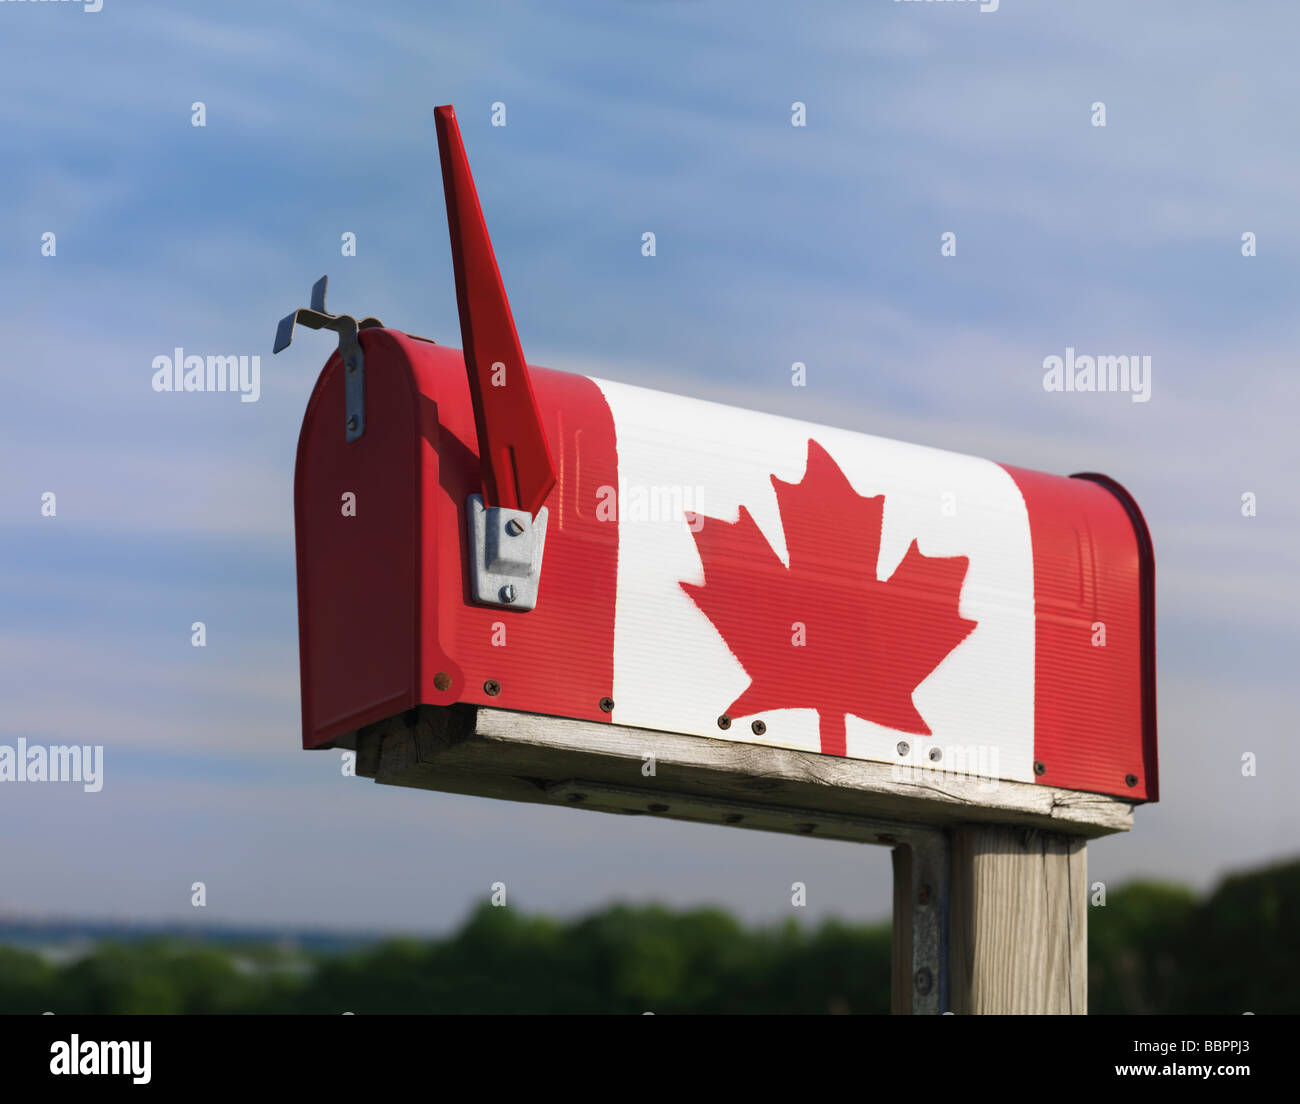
column 516, row 462
column 708, row 571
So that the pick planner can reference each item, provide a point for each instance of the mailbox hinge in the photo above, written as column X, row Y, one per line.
column 354, row 361
column 505, row 554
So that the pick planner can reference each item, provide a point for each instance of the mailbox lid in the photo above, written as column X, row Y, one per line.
column 357, row 514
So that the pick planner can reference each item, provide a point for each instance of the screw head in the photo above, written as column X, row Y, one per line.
column 759, row 728
column 924, row 980
column 491, row 688
column 514, row 527
column 904, row 747
column 1040, row 767
column 936, row 754
column 724, row 721
column 508, row 593
column 352, row 422
column 442, row 680
column 607, row 705
column 1130, row 780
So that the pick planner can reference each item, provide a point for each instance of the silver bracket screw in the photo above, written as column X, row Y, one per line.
column 505, row 554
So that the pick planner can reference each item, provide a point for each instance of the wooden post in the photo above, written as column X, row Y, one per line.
column 1018, row 921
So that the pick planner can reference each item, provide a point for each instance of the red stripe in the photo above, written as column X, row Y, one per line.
column 1094, row 706
column 558, row 658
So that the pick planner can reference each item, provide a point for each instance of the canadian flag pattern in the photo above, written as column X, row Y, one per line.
column 730, row 575
column 853, row 594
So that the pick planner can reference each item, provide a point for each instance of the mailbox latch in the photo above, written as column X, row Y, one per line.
column 354, row 362
column 505, row 554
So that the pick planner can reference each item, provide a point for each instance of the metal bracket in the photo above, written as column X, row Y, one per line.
column 505, row 554
column 354, row 363
column 929, row 866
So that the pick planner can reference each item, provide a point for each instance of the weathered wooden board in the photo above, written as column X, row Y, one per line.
column 546, row 760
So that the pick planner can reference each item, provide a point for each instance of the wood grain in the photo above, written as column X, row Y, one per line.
column 525, row 757
column 1018, row 936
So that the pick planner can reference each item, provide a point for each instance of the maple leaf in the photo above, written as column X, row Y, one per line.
column 868, row 643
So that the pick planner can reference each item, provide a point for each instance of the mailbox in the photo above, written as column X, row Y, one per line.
column 474, row 529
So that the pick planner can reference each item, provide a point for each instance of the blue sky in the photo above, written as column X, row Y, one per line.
column 775, row 244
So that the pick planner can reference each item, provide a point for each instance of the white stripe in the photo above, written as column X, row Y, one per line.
column 673, row 671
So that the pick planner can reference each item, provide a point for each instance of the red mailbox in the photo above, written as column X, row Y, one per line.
column 474, row 529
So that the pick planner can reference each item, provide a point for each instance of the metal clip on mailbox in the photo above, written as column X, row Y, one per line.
column 529, row 584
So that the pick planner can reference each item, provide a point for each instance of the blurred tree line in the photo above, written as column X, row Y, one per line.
column 1152, row 948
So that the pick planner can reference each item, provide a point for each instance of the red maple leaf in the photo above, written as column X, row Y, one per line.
column 867, row 643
